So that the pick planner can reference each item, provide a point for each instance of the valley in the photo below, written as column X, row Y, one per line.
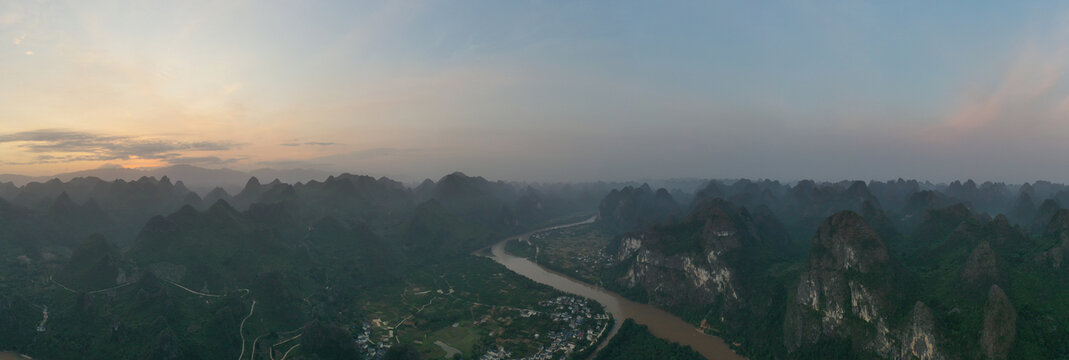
column 276, row 278
column 357, row 267
column 661, row 323
column 534, row 180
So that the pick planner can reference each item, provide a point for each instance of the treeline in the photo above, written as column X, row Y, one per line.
column 634, row 342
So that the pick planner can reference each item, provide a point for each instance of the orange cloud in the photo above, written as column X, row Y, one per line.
column 1030, row 100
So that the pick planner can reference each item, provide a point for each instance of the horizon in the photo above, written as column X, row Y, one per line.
column 535, row 179
column 540, row 91
column 306, row 175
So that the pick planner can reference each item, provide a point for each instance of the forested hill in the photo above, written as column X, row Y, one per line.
column 897, row 270
column 151, row 269
column 634, row 342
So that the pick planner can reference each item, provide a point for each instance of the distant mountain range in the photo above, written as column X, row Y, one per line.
column 197, row 179
column 148, row 269
column 807, row 270
column 852, row 270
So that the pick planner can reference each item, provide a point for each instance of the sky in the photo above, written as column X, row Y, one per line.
column 541, row 90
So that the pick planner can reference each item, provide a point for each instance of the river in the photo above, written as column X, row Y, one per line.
column 661, row 323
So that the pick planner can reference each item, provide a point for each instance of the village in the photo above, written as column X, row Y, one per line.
column 568, row 325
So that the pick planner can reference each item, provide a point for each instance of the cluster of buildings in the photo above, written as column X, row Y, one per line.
column 372, row 349
column 44, row 312
column 599, row 259
column 574, row 313
column 577, row 328
column 540, row 235
column 496, row 354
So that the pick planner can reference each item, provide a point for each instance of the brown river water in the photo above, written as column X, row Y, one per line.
column 661, row 323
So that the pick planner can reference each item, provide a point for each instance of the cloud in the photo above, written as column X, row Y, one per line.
column 200, row 160
column 58, row 145
column 380, row 152
column 1030, row 100
column 232, row 88
column 45, row 135
column 211, row 146
column 367, row 154
column 347, row 160
column 10, row 18
column 292, row 164
column 310, row 143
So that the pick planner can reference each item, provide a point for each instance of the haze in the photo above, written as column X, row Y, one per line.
column 539, row 90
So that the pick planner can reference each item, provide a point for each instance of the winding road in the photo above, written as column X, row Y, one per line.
column 241, row 329
column 288, row 351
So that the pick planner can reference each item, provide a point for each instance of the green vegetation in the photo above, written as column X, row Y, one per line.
column 634, row 342
column 471, row 304
column 402, row 352
column 942, row 264
column 575, row 251
column 521, row 248
column 284, row 270
column 354, row 265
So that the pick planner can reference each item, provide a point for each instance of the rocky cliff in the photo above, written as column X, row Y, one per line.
column 924, row 282
column 695, row 256
column 709, row 268
column 1058, row 233
column 846, row 297
column 1000, row 325
column 842, row 294
column 919, row 339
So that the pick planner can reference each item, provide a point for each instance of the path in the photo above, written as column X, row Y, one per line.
column 288, row 351
column 65, row 287
column 241, row 329
column 191, row 290
column 61, row 285
column 252, row 354
column 287, row 340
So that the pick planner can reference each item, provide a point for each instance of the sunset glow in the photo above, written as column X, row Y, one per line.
column 551, row 91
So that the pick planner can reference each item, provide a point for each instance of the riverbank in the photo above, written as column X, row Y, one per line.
column 661, row 323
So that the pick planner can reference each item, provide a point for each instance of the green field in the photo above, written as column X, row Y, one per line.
column 471, row 304
column 575, row 251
